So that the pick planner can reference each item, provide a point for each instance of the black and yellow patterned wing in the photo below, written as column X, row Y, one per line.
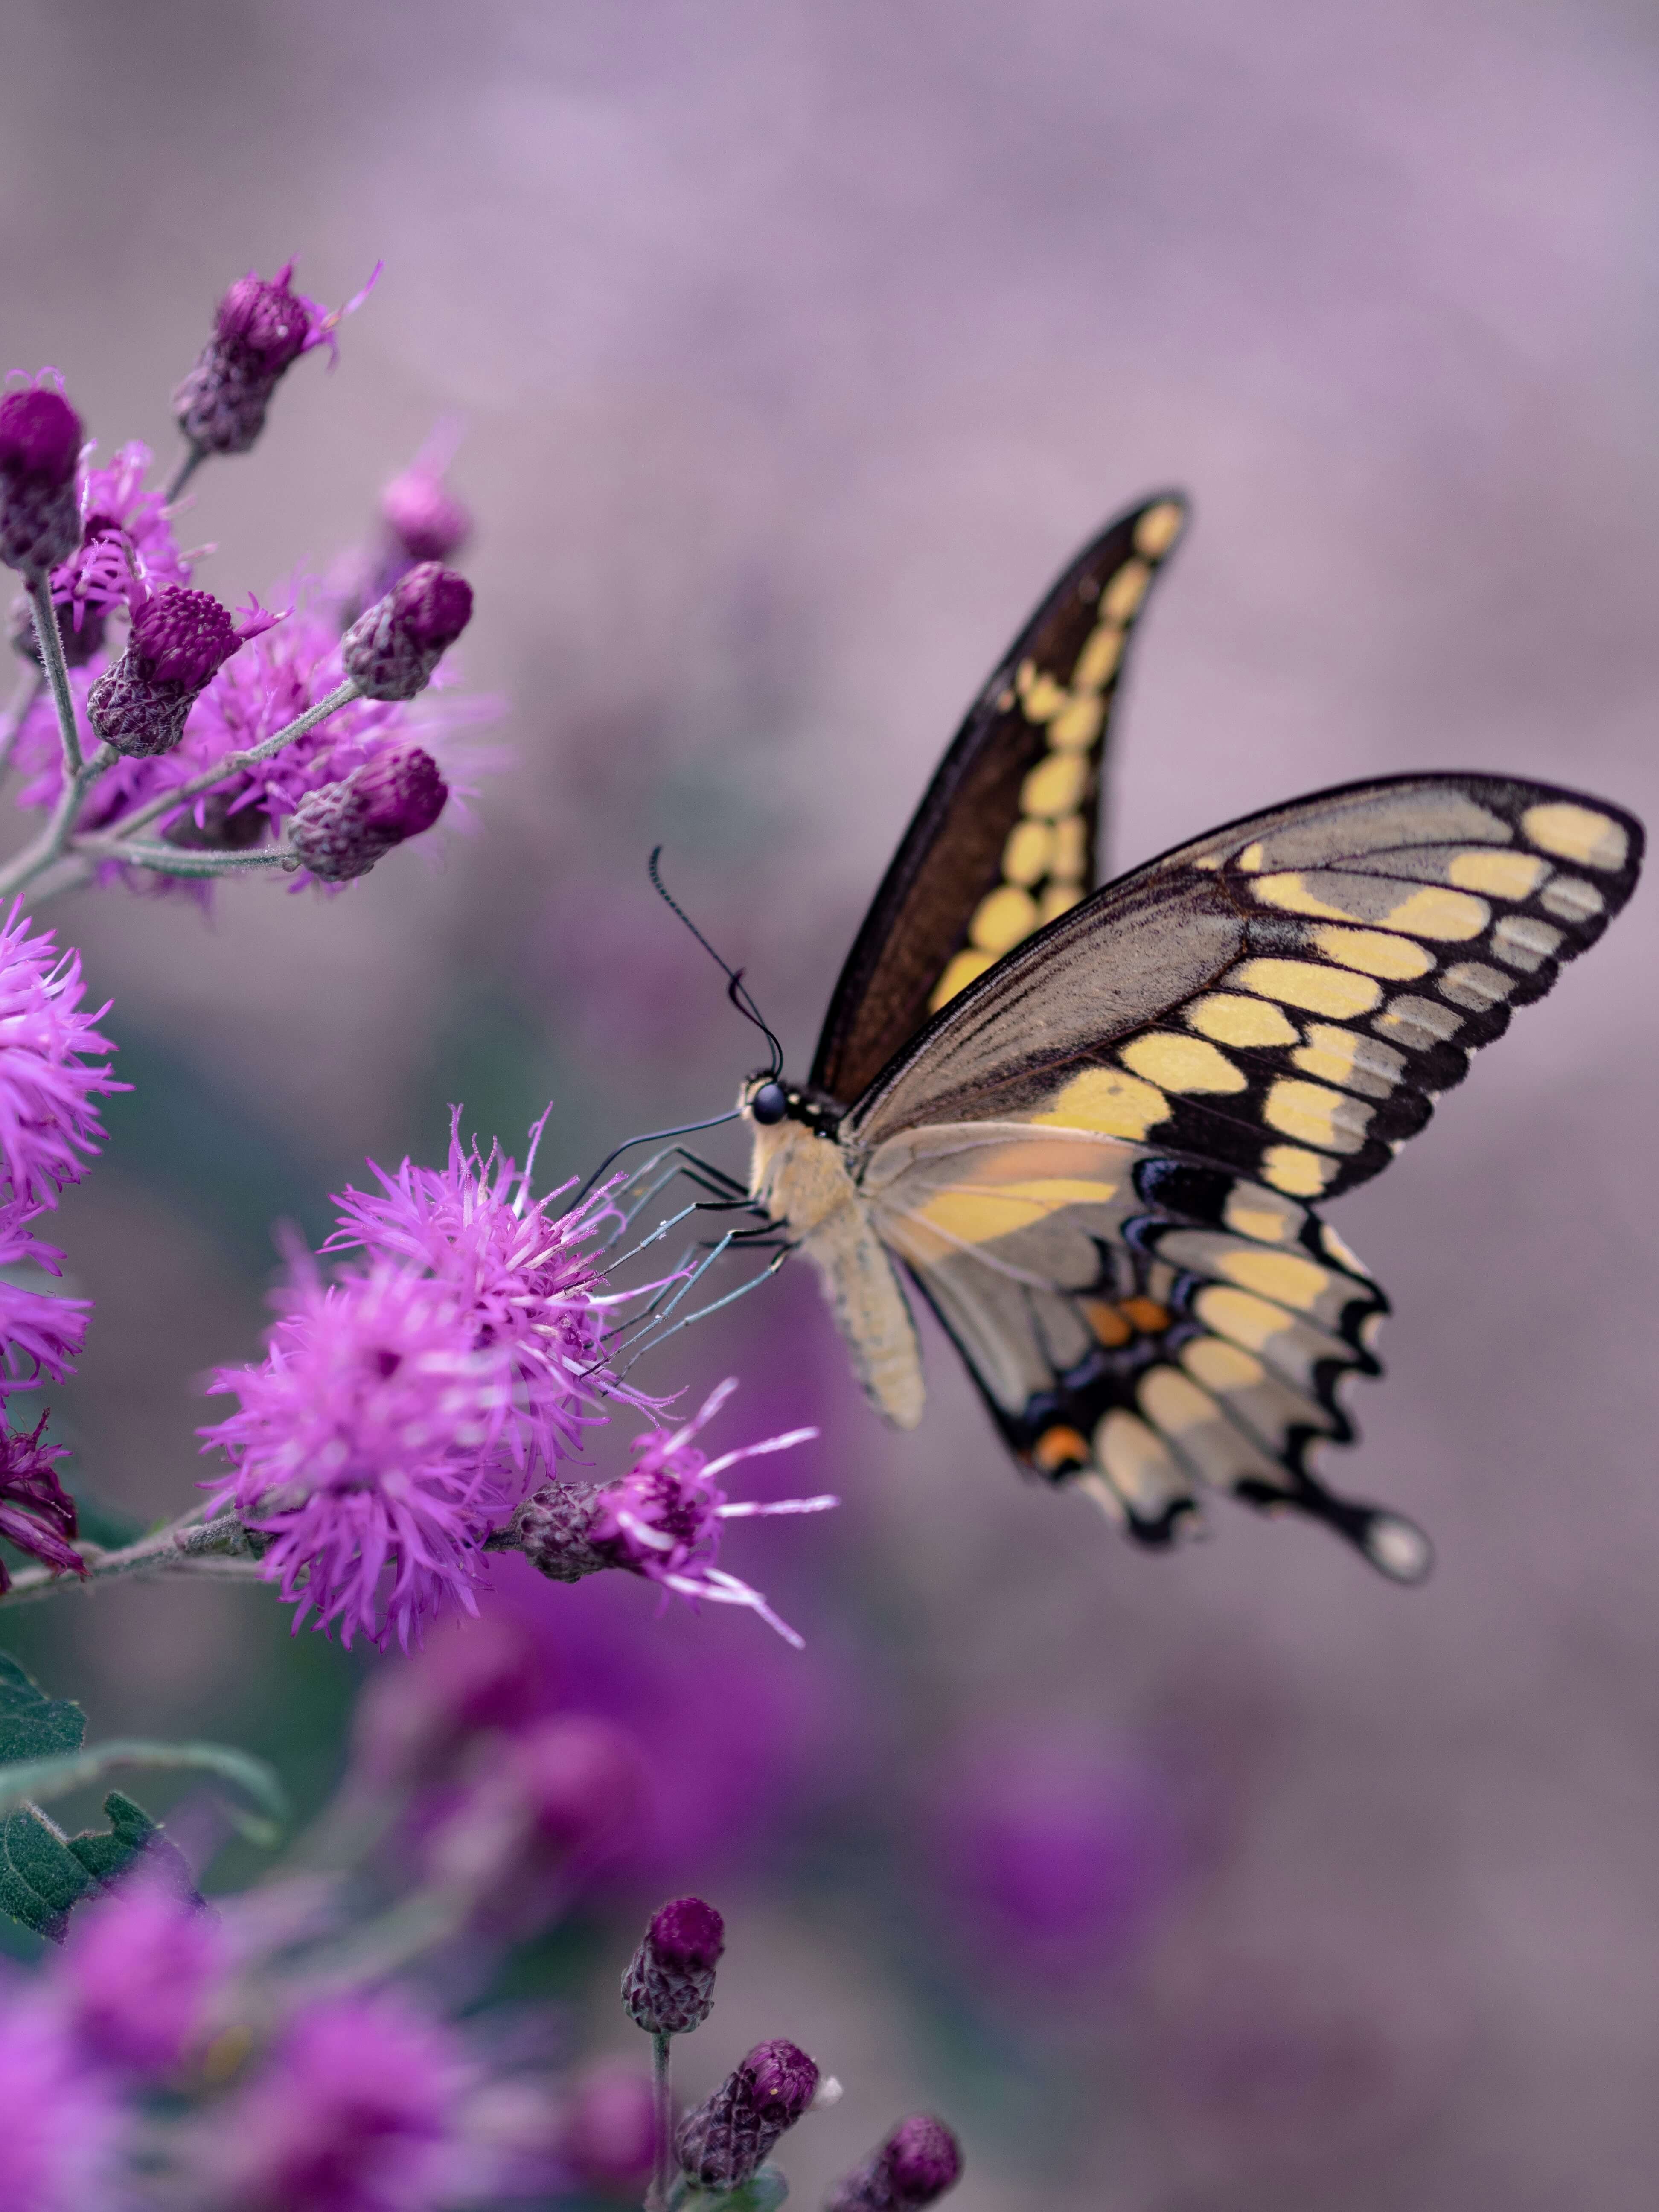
column 1005, row 839
column 1096, row 1161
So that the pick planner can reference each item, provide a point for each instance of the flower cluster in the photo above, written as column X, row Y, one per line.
column 405, row 1408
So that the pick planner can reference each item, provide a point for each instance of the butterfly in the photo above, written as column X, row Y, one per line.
column 1092, row 1128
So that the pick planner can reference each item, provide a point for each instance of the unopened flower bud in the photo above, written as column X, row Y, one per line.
column 723, row 2141
column 914, row 2167
column 180, row 639
column 39, row 511
column 342, row 831
column 425, row 521
column 552, row 1528
column 390, row 651
column 669, row 1987
column 418, row 1715
column 260, row 330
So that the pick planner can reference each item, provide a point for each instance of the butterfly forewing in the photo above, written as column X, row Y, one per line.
column 1005, row 839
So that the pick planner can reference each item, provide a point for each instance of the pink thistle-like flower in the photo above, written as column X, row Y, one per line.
column 423, row 519
column 342, row 831
column 138, row 1972
column 39, row 442
column 369, row 1450
column 40, row 1335
column 127, row 553
column 60, row 2123
column 48, row 1125
column 662, row 1520
column 180, row 641
column 357, row 2109
column 261, row 328
column 36, row 1513
column 520, row 1266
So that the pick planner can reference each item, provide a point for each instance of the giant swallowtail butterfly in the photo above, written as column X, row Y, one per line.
column 1092, row 1127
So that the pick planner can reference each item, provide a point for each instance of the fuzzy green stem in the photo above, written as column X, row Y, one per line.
column 181, row 859
column 56, row 670
column 187, row 469
column 234, row 764
column 218, row 1549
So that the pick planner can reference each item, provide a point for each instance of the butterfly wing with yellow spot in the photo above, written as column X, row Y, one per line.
column 1005, row 839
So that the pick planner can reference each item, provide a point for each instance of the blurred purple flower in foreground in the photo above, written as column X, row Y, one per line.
column 423, row 519
column 607, row 2133
column 61, row 2128
column 918, row 2162
column 36, row 1514
column 48, row 1079
column 140, row 1967
column 39, row 1335
column 261, row 328
column 356, row 2110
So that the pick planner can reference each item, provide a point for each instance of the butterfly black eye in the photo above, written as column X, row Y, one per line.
column 769, row 1104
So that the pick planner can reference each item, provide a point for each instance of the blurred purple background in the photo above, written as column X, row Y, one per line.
column 796, row 347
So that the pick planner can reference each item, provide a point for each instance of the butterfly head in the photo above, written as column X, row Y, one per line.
column 767, row 1102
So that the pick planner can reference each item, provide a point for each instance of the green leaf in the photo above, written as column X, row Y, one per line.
column 53, row 1777
column 32, row 1725
column 40, row 1877
column 763, row 2191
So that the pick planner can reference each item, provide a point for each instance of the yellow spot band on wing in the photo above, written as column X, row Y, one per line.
column 1039, row 695
column 1285, row 1276
column 1577, row 833
column 1334, row 991
column 1231, row 1018
column 1026, row 856
column 1070, row 861
column 1300, row 1174
column 1251, row 1212
column 1098, row 662
column 1220, row 1366
column 1059, row 899
column 979, row 1217
column 1248, row 1319
column 1344, row 1056
column 1333, row 1120
column 1181, row 1063
column 1159, row 529
column 1139, row 1464
column 1428, row 911
column 1174, row 1403
column 1002, row 918
column 965, row 968
column 1374, row 953
column 1505, row 875
column 1123, row 594
column 1055, row 784
column 1109, row 1101
column 1075, row 728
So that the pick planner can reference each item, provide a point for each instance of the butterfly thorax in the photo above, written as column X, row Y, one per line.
column 800, row 1175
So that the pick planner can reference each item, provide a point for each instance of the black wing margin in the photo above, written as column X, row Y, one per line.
column 1005, row 839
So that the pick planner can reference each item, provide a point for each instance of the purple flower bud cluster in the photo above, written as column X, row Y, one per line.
column 661, row 1519
column 669, row 1986
column 722, row 2142
column 40, row 513
column 917, row 2163
column 392, row 649
column 126, row 554
column 261, row 328
column 342, row 831
column 180, row 641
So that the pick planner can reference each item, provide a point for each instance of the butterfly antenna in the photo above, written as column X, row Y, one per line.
column 736, row 989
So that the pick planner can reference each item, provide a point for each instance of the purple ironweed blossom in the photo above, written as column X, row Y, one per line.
column 609, row 2128
column 519, row 1267
column 48, row 1124
column 537, row 1819
column 358, row 2109
column 139, row 1970
column 60, row 2125
column 423, row 519
column 662, row 1520
column 342, row 831
column 669, row 1985
column 39, row 1335
column 260, row 329
column 39, row 514
column 127, row 552
column 180, row 641
column 392, row 649
column 369, row 1450
column 418, row 1715
column 722, row 2142
column 914, row 2167
column 36, row 1513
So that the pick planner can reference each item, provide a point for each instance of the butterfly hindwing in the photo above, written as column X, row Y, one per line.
column 1005, row 839
column 1152, row 1328
column 1285, row 997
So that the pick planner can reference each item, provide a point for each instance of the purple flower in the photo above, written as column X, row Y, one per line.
column 722, row 2142
column 356, row 2110
column 261, row 328
column 368, row 1448
column 342, row 831
column 48, row 1124
column 39, row 1335
column 39, row 514
column 180, row 641
column 519, row 1266
column 914, row 2167
column 126, row 553
column 60, row 2125
column 662, row 1520
column 36, row 1513
column 423, row 518
column 537, row 1819
column 609, row 2129
column 418, row 1715
column 139, row 1969
column 669, row 1985
column 392, row 649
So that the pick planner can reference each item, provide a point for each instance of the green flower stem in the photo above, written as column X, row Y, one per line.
column 182, row 860
column 194, row 457
column 219, row 1549
column 234, row 764
column 52, row 660
column 662, row 2107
